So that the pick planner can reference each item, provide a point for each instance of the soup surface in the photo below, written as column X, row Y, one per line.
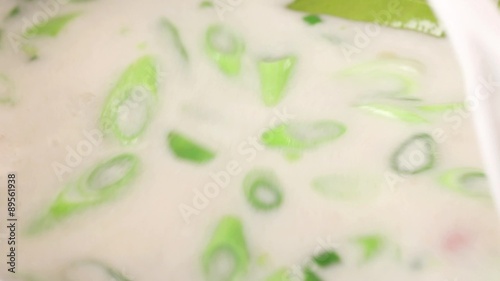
column 237, row 140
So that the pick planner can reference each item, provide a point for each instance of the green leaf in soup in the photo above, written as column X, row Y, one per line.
column 404, row 14
column 52, row 27
column 274, row 75
column 371, row 245
column 226, row 257
column 86, row 270
column 106, row 181
column 129, row 106
column 225, row 48
column 187, row 149
column 302, row 135
column 263, row 189
column 415, row 155
column 394, row 112
column 173, row 32
column 327, row 258
column 468, row 181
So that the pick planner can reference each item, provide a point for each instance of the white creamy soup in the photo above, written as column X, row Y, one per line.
column 235, row 140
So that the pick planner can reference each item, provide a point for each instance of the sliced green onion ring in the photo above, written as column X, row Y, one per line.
column 468, row 181
column 226, row 256
column 417, row 154
column 274, row 75
column 92, row 270
column 224, row 48
column 187, row 149
column 263, row 190
column 51, row 27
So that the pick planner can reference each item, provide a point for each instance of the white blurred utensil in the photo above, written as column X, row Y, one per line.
column 473, row 27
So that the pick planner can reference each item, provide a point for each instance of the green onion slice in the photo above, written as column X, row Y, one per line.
column 327, row 258
column 51, row 27
column 274, row 75
column 6, row 90
column 226, row 256
column 312, row 19
column 345, row 186
column 394, row 112
column 468, row 181
column 436, row 108
column 128, row 108
column 415, row 155
column 263, row 190
column 15, row 11
column 310, row 275
column 173, row 32
column 303, row 135
column 92, row 270
column 225, row 48
column 371, row 245
column 187, row 149
column 280, row 275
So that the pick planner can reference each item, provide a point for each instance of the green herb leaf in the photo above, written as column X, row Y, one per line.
column 128, row 108
column 185, row 148
column 225, row 48
column 371, row 245
column 51, row 27
column 274, row 76
column 468, row 181
column 310, row 275
column 415, row 155
column 393, row 112
column 226, row 256
column 405, row 14
column 92, row 270
column 263, row 190
column 173, row 32
column 312, row 19
column 327, row 258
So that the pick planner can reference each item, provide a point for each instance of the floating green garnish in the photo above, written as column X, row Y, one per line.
column 312, row 19
column 226, row 257
column 173, row 32
column 310, row 275
column 92, row 270
column 263, row 190
column 274, row 75
column 415, row 155
column 185, row 148
column 405, row 14
column 128, row 108
column 103, row 183
column 468, row 181
column 393, row 112
column 51, row 27
column 345, row 186
column 280, row 275
column 327, row 258
column 6, row 90
column 14, row 12
column 371, row 245
column 441, row 107
column 225, row 48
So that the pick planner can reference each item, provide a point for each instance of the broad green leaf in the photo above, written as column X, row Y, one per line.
column 274, row 75
column 406, row 14
column 187, row 149
column 51, row 27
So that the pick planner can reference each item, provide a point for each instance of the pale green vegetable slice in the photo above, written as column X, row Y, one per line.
column 345, row 186
column 51, row 27
column 6, row 90
column 106, row 181
column 405, row 14
column 225, row 48
column 173, row 32
column 263, row 189
column 274, row 75
column 436, row 108
column 371, row 245
column 303, row 135
column 226, row 257
column 92, row 270
column 417, row 154
column 280, row 275
column 393, row 112
column 468, row 181
column 187, row 149
column 128, row 108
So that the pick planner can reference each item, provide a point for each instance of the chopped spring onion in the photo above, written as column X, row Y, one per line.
column 415, row 155
column 371, row 245
column 400, row 74
column 467, row 181
column 274, row 75
column 327, row 258
column 173, row 32
column 441, row 107
column 394, row 112
column 185, row 148
column 225, row 48
column 280, row 275
column 206, row 4
column 14, row 12
column 310, row 275
column 405, row 14
column 312, row 19
column 6, row 90
column 128, row 108
column 92, row 270
column 299, row 136
column 51, row 27
column 226, row 257
column 104, row 182
column 263, row 190
column 345, row 186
